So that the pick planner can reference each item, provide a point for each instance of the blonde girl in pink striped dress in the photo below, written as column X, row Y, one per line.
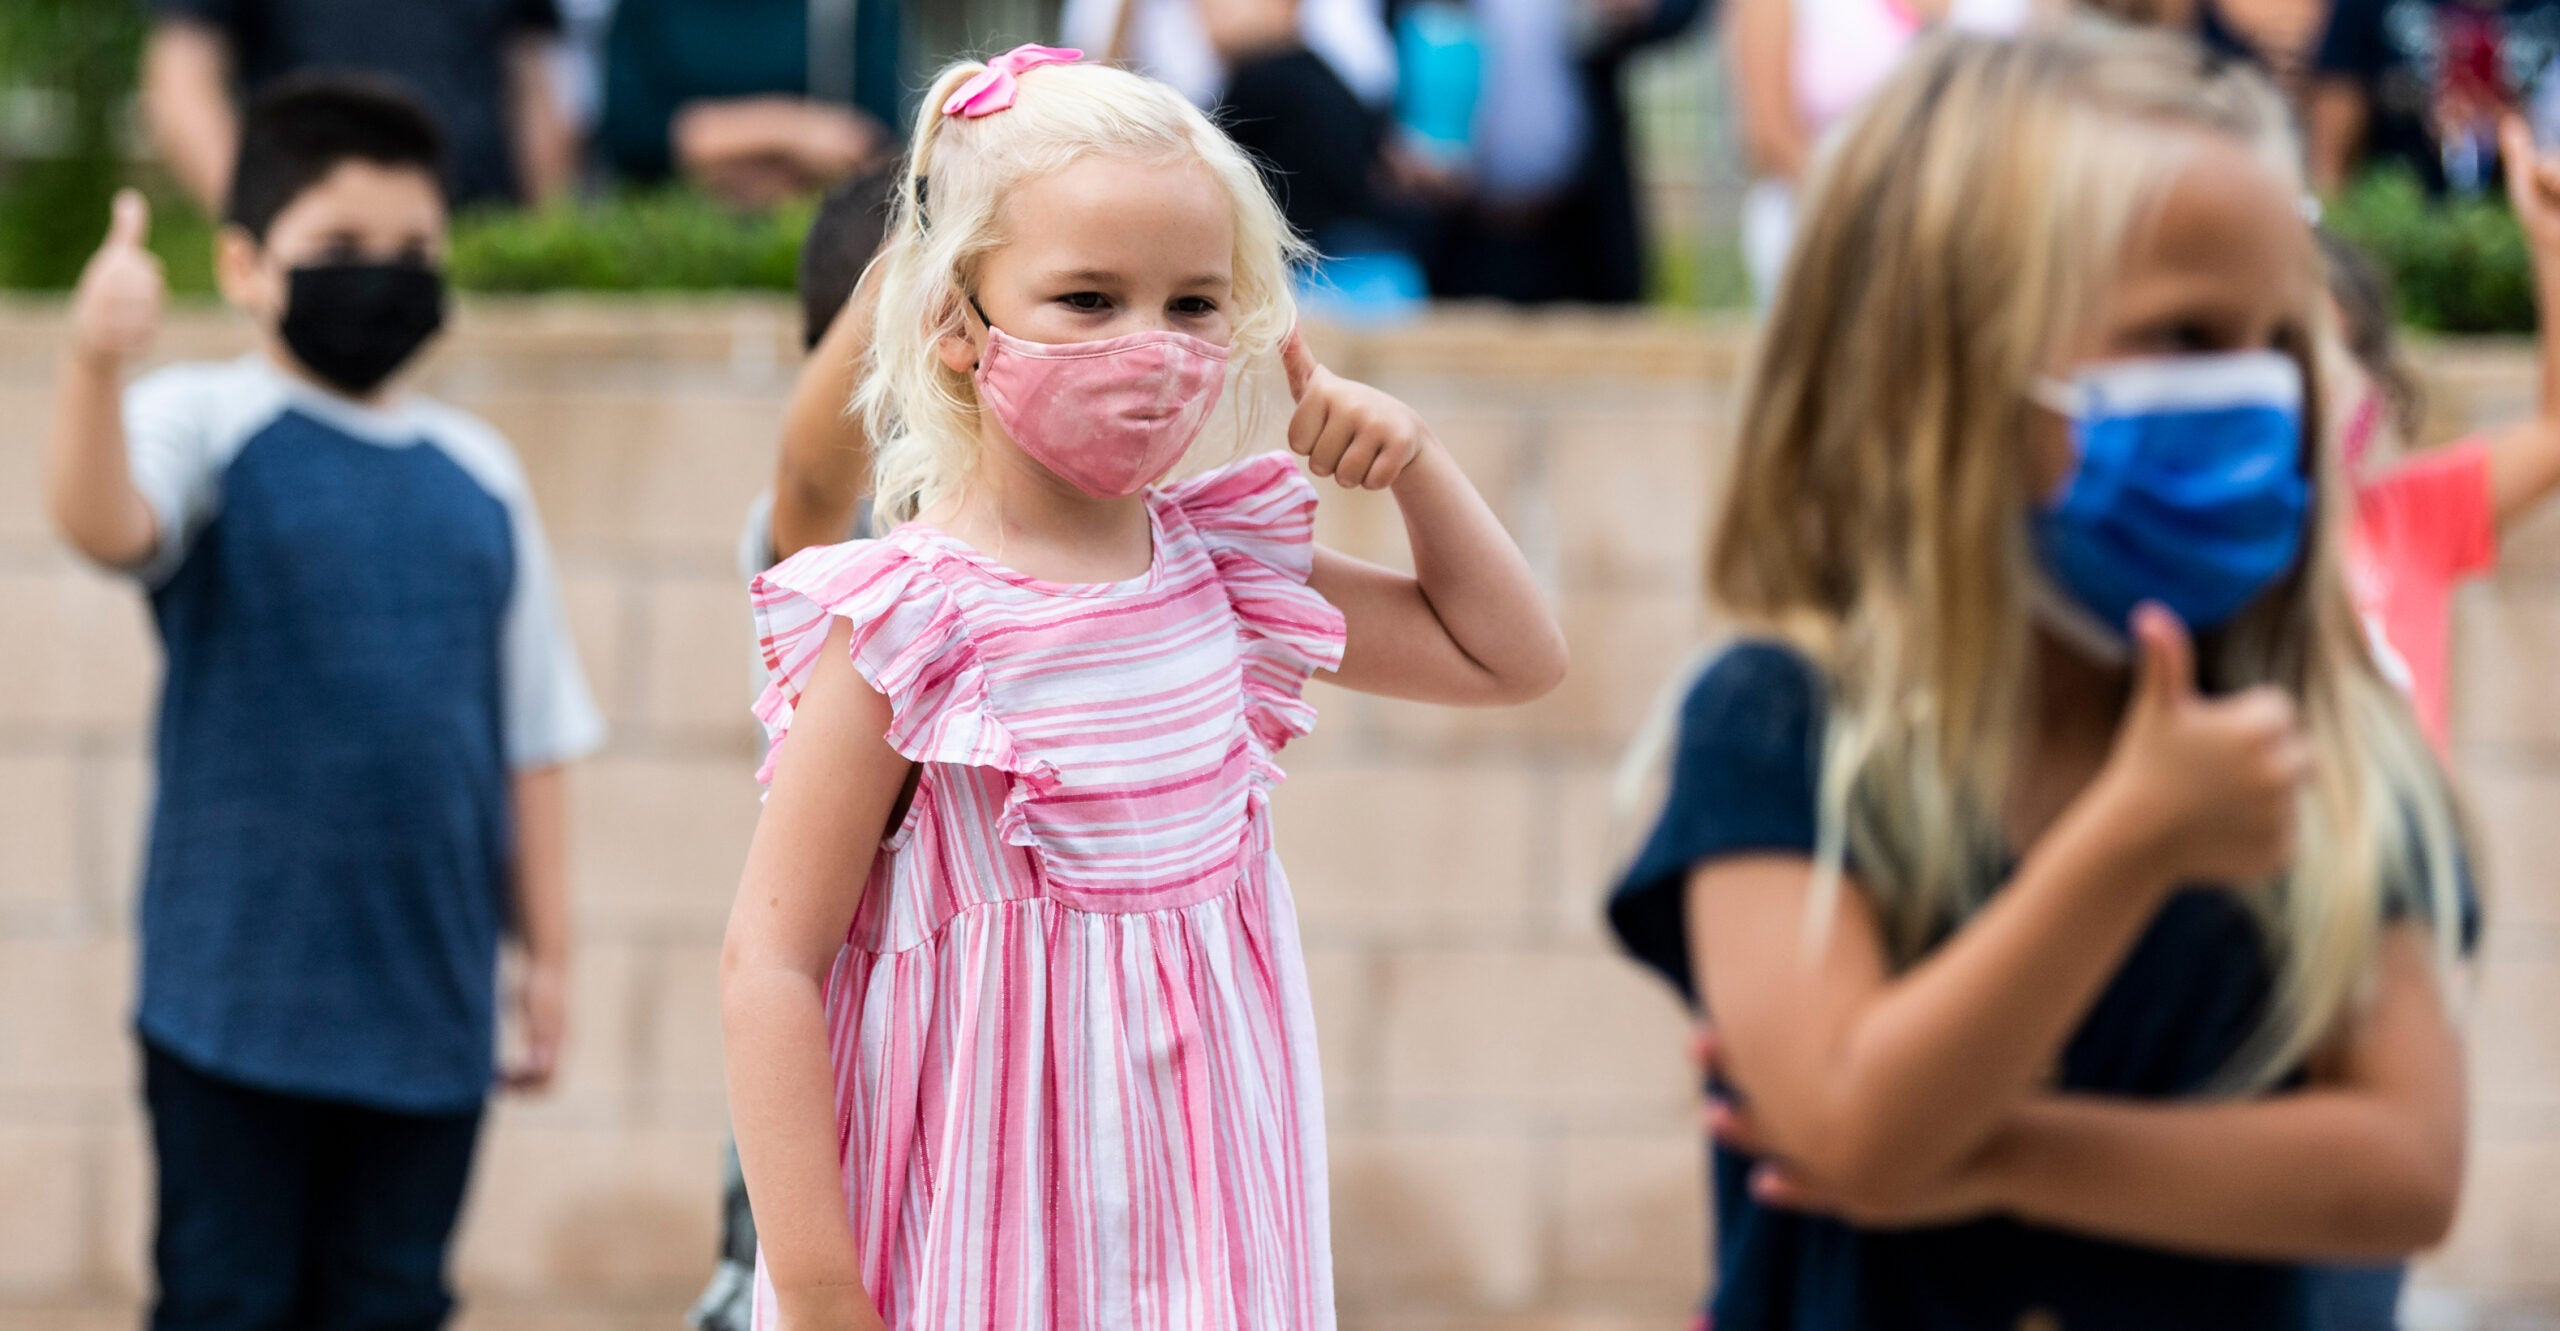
column 1017, row 1025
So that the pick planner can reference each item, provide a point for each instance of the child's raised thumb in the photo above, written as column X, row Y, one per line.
column 1298, row 362
column 2168, row 657
column 129, row 219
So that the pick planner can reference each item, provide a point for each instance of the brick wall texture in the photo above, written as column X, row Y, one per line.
column 1511, row 1121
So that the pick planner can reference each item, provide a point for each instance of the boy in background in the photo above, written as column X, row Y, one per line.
column 370, row 690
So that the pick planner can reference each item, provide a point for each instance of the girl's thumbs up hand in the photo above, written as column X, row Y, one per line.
column 1364, row 438
column 2209, row 784
column 116, row 307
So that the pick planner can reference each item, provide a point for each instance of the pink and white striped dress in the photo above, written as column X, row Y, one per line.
column 1075, row 1064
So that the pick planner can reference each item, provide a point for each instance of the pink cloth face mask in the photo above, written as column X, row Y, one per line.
column 1109, row 417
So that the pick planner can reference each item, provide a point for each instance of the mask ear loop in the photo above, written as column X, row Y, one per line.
column 983, row 322
column 2076, row 625
column 2061, row 614
column 2056, row 396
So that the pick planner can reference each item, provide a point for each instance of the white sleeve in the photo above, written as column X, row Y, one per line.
column 551, row 717
column 170, row 446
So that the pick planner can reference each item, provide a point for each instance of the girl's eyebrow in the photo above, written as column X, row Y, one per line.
column 1106, row 277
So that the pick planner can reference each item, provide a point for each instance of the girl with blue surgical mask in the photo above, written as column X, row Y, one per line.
column 2071, row 897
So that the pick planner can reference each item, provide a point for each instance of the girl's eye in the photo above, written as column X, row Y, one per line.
column 1084, row 300
column 1195, row 307
column 2182, row 337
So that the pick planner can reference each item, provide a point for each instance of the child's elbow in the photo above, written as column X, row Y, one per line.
column 2422, row 1214
column 2432, row 1217
column 1552, row 666
column 2413, row 1212
column 1537, row 673
column 117, row 542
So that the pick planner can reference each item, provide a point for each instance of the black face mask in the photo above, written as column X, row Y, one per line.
column 352, row 324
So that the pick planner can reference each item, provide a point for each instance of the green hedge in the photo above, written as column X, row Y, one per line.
column 671, row 241
column 2457, row 265
column 76, row 59
column 79, row 58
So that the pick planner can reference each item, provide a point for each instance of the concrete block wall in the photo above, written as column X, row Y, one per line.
column 1512, row 1130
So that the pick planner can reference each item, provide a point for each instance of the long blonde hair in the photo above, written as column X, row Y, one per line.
column 948, row 216
column 1965, row 224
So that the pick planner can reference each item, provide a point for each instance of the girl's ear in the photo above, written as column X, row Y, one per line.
column 959, row 353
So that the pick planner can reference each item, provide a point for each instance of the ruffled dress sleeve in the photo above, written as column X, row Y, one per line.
column 1257, row 520
column 909, row 642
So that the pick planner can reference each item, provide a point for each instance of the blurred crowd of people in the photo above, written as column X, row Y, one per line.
column 2418, row 84
column 1450, row 148
column 753, row 100
column 1375, row 118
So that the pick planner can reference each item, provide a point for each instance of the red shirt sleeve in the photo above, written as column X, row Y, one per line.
column 2438, row 508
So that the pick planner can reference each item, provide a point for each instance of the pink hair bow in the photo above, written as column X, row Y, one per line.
column 994, row 88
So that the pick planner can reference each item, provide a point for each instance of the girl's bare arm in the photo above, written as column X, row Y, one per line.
column 824, row 817
column 2364, row 1165
column 1882, row 1084
column 1885, row 1084
column 1469, row 626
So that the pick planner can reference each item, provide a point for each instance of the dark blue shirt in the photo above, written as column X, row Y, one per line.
column 363, row 646
column 661, row 54
column 450, row 53
column 2189, row 994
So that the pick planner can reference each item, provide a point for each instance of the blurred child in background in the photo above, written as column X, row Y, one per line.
column 370, row 691
column 2427, row 520
column 2072, row 896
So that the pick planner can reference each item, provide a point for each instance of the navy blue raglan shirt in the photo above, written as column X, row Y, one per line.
column 364, row 642
column 2190, row 992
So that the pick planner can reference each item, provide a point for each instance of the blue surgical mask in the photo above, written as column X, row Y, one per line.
column 2188, row 491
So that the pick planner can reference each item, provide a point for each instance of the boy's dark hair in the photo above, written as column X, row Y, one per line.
column 2371, row 328
column 298, row 129
column 852, row 221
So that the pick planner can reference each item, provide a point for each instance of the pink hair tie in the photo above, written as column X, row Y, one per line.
column 994, row 88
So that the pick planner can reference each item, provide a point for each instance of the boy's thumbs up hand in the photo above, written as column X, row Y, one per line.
column 2213, row 781
column 116, row 308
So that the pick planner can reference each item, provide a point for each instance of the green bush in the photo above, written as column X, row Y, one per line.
column 75, row 59
column 671, row 241
column 668, row 241
column 2457, row 265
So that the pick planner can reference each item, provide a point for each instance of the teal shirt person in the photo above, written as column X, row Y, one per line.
column 661, row 54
